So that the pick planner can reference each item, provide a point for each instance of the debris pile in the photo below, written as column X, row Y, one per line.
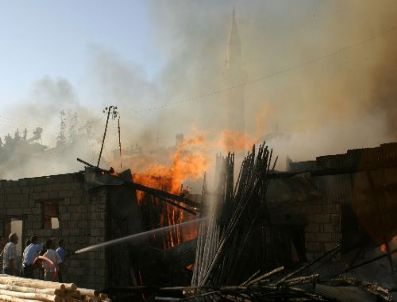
column 270, row 286
column 16, row 289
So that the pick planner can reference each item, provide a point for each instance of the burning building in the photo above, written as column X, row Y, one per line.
column 90, row 207
column 342, row 199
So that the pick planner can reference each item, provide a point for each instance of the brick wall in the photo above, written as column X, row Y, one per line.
column 323, row 215
column 81, row 220
column 351, row 209
column 358, row 192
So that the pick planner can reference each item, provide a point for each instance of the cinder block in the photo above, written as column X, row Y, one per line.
column 324, row 237
column 321, row 218
column 330, row 228
column 330, row 209
column 313, row 246
column 312, row 237
column 329, row 246
column 335, row 218
column 336, row 236
column 312, row 227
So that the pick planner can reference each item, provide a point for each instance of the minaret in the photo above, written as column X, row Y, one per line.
column 234, row 77
column 233, row 51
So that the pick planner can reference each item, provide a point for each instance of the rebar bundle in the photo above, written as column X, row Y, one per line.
column 229, row 244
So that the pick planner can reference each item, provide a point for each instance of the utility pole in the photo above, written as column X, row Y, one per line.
column 111, row 111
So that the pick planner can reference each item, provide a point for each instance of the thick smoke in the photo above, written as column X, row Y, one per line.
column 319, row 78
column 52, row 128
column 383, row 89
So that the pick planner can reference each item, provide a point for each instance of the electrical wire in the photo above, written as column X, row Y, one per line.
column 271, row 75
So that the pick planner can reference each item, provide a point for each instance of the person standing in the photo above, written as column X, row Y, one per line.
column 10, row 255
column 62, row 253
column 51, row 267
column 27, row 242
column 31, row 252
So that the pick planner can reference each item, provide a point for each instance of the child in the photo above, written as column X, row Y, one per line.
column 51, row 267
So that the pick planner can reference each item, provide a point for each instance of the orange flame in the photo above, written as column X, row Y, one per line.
column 392, row 242
column 235, row 141
column 186, row 162
column 168, row 169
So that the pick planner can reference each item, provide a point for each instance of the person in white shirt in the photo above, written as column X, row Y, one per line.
column 51, row 268
column 10, row 255
column 31, row 252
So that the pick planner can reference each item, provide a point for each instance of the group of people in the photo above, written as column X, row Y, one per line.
column 38, row 260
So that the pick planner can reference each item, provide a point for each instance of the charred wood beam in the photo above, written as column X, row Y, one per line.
column 193, row 211
column 92, row 166
column 163, row 195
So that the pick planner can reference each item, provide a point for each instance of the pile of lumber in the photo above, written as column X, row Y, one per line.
column 17, row 289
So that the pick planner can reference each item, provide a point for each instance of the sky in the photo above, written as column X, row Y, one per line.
column 54, row 38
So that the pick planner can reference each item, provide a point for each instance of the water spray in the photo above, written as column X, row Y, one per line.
column 136, row 236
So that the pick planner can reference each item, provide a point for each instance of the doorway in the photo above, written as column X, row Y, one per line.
column 16, row 226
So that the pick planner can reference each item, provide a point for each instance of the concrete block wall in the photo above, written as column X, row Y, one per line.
column 81, row 220
column 323, row 230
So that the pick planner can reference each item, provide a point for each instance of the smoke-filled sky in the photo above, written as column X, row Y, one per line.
column 320, row 76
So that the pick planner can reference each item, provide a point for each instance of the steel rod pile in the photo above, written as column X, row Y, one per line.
column 232, row 259
column 16, row 289
column 227, row 249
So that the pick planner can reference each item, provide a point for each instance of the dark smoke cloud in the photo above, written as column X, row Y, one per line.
column 315, row 61
column 384, row 75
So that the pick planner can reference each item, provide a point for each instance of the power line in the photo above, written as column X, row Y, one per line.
column 270, row 75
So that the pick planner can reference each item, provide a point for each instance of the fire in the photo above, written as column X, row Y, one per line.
column 235, row 141
column 263, row 117
column 383, row 248
column 188, row 161
column 157, row 181
column 186, row 165
column 168, row 169
column 391, row 243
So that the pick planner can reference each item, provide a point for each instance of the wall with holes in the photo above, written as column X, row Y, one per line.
column 55, row 207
